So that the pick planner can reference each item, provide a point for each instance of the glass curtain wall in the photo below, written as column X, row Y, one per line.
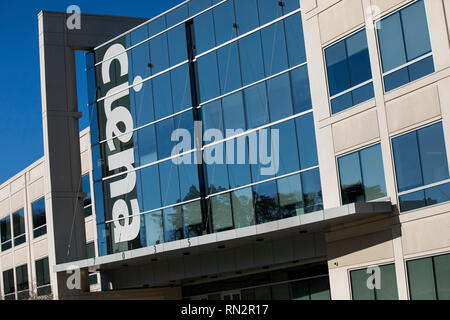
column 235, row 70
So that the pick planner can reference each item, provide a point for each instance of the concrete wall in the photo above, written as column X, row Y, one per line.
column 20, row 192
column 417, row 104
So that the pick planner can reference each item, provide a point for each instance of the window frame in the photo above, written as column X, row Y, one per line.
column 32, row 221
column 15, row 237
column 424, row 187
column 11, row 238
column 357, row 151
column 366, row 266
column 406, row 65
column 351, row 89
column 427, row 256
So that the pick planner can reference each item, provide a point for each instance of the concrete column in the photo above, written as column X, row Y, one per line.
column 64, row 205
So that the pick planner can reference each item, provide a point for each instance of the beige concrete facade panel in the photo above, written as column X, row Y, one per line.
column 439, row 38
column 328, row 168
column 36, row 190
column 85, row 165
column 18, row 201
column 4, row 192
column 7, row 261
column 18, row 184
column 413, row 108
column 37, row 172
column 421, row 235
column 90, row 230
column 363, row 249
column 386, row 5
column 444, row 97
column 357, row 130
column 447, row 16
column 5, row 209
column 339, row 286
column 340, row 18
column 21, row 256
column 308, row 5
column 40, row 248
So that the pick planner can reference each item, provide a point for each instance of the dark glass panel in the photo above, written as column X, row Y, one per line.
column 252, row 65
column 159, row 53
column 162, row 96
column 301, row 93
column 169, row 180
column 312, row 191
column 307, row 141
column 280, row 100
column 266, row 202
column 243, row 211
column 173, row 224
column 256, row 106
column 295, row 40
column 193, row 222
column 229, row 70
column 221, row 213
column 274, row 48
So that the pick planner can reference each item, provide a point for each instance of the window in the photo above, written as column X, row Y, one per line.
column 8, row 285
column 192, row 220
column 181, row 88
column 173, row 224
column 243, row 211
column 170, row 187
column 177, row 45
column 349, row 72
column 307, row 141
column 90, row 249
column 159, row 55
column 43, row 277
column 175, row 16
column 39, row 220
column 145, row 146
column 224, row 22
column 229, row 70
column 280, row 101
column 151, row 197
column 19, row 227
column 301, row 93
column 221, row 213
column 266, row 202
column 250, row 51
column 312, row 289
column 246, row 15
column 421, row 168
column 141, row 103
column 154, row 230
column 290, row 195
column 93, row 279
column 312, row 190
column 365, row 287
column 87, row 202
column 274, row 48
column 22, row 282
column 429, row 278
column 362, row 175
column 405, row 46
column 5, row 230
column 162, row 95
column 256, row 106
column 208, row 77
column 294, row 40
column 204, row 32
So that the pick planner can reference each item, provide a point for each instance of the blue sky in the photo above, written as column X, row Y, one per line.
column 20, row 92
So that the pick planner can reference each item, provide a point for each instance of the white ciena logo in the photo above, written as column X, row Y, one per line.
column 127, row 228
